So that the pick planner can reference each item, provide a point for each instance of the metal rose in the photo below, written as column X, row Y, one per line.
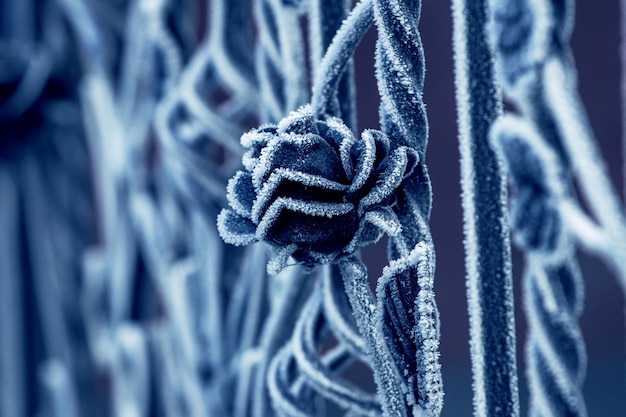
column 313, row 190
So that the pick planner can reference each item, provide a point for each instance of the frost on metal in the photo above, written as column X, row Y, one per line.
column 313, row 190
column 409, row 317
column 184, row 197
column 553, row 286
column 545, row 148
column 487, row 248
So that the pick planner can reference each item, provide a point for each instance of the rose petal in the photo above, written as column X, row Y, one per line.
column 390, row 179
column 235, row 229
column 241, row 194
column 296, row 185
column 255, row 141
column 385, row 219
column 365, row 162
column 382, row 144
column 342, row 138
column 299, row 122
column 309, row 154
column 373, row 225
column 258, row 137
column 346, row 151
column 325, row 226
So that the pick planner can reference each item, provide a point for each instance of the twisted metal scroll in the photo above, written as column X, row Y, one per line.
column 555, row 352
column 400, row 76
column 407, row 311
column 541, row 161
column 553, row 287
column 299, row 372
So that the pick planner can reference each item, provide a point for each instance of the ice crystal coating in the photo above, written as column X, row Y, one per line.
column 409, row 321
column 312, row 189
column 487, row 249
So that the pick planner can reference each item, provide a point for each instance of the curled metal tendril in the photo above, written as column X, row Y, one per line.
column 198, row 131
column 400, row 75
column 553, row 288
column 410, row 313
column 556, row 352
column 300, row 370
column 279, row 60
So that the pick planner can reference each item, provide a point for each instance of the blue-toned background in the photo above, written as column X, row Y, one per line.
column 595, row 42
column 596, row 47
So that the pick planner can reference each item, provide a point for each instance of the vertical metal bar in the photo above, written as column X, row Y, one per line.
column 487, row 242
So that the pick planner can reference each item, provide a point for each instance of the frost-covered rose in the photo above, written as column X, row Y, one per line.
column 314, row 190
